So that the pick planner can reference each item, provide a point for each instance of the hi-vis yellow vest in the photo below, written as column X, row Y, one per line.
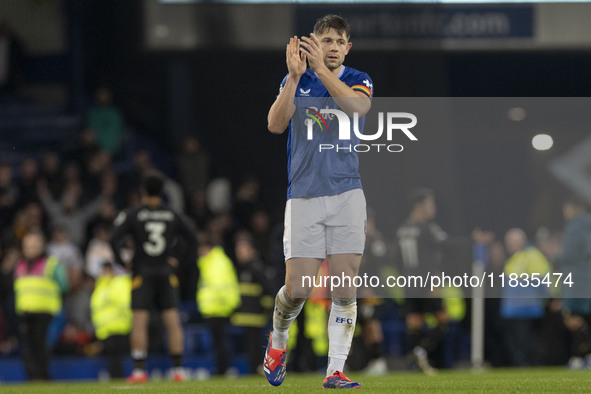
column 36, row 291
column 218, row 293
column 111, row 306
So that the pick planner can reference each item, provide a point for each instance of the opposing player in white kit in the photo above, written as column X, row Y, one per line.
column 325, row 213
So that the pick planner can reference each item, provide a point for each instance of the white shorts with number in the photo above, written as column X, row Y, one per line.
column 320, row 226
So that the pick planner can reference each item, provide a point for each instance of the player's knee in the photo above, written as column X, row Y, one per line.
column 299, row 294
column 284, row 296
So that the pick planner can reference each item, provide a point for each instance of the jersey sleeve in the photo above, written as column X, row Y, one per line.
column 282, row 85
column 362, row 83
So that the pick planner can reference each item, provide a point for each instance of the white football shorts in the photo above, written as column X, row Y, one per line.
column 320, row 226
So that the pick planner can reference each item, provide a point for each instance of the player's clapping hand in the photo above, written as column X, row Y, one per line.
column 312, row 49
column 296, row 61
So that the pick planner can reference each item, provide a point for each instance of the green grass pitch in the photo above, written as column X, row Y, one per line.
column 527, row 380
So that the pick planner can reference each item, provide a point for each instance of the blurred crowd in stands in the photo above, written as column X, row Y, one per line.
column 73, row 197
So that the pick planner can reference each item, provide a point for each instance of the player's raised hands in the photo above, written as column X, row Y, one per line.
column 296, row 61
column 313, row 50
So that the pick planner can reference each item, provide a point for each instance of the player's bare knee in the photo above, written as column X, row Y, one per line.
column 297, row 294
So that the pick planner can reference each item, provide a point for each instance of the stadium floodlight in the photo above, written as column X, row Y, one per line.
column 542, row 142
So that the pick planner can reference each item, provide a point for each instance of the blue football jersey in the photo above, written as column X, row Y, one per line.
column 315, row 173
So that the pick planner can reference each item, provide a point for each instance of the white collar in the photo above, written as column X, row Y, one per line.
column 343, row 67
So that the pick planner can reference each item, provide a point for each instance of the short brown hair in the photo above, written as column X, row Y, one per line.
column 332, row 21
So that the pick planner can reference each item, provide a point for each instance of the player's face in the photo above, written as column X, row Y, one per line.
column 335, row 47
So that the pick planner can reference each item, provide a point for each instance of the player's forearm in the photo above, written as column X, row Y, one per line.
column 348, row 100
column 283, row 108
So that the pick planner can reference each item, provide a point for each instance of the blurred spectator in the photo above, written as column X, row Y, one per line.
column 39, row 282
column 19, row 227
column 72, row 174
column 193, row 166
column 573, row 260
column 260, row 225
column 86, row 148
column 198, row 209
column 9, row 257
column 98, row 251
column 104, row 219
column 111, row 316
column 174, row 195
column 247, row 200
column 51, row 172
column 29, row 218
column 106, row 121
column 522, row 306
column 8, row 195
column 98, row 165
column 11, row 59
column 142, row 161
column 553, row 334
column 494, row 334
column 77, row 333
column 219, row 230
column 27, row 185
column 219, row 195
column 218, row 296
column 35, row 217
column 110, row 181
column 68, row 213
column 548, row 242
column 256, row 303
column 68, row 253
